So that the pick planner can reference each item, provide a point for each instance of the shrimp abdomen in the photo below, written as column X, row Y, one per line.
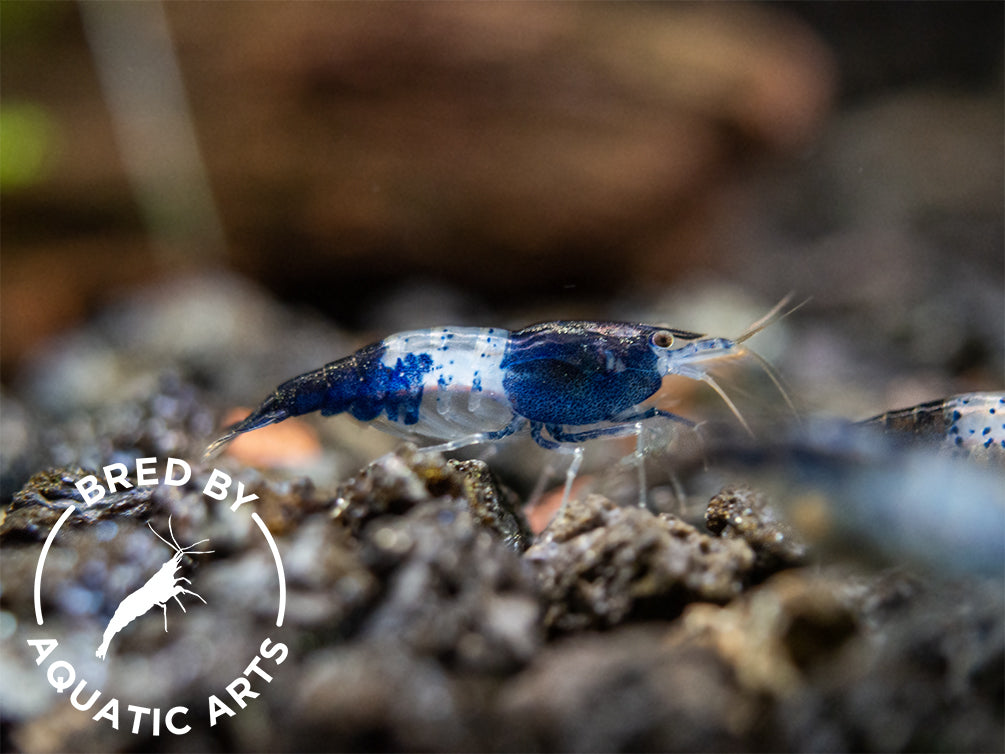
column 461, row 393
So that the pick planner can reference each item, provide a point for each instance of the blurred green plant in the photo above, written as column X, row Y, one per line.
column 28, row 143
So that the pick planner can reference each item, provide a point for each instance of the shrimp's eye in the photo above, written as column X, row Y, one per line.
column 662, row 339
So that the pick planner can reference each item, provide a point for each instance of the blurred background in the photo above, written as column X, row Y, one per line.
column 244, row 192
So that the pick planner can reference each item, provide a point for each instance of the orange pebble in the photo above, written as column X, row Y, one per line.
column 289, row 443
column 540, row 514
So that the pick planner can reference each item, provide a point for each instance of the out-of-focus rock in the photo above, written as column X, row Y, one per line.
column 793, row 664
column 926, row 673
column 775, row 633
column 155, row 416
column 742, row 513
column 39, row 504
column 598, row 564
column 19, row 438
column 452, row 590
column 378, row 697
column 625, row 689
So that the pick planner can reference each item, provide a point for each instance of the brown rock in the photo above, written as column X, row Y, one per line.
column 599, row 563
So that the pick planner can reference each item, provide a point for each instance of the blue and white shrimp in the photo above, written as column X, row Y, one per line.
column 565, row 382
column 970, row 424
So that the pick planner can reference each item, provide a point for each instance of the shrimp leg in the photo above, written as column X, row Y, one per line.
column 513, row 427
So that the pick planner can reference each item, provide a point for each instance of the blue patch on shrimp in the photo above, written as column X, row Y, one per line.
column 405, row 387
column 374, row 388
column 591, row 377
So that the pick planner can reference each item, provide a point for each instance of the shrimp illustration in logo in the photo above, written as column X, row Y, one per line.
column 158, row 590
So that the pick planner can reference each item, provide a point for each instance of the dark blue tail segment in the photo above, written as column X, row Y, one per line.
column 301, row 395
column 337, row 387
column 360, row 385
column 348, row 384
column 365, row 387
column 356, row 384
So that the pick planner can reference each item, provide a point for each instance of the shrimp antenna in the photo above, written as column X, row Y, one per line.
column 771, row 317
column 777, row 312
column 707, row 379
column 775, row 378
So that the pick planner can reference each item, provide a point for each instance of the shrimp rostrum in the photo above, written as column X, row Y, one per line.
column 564, row 382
